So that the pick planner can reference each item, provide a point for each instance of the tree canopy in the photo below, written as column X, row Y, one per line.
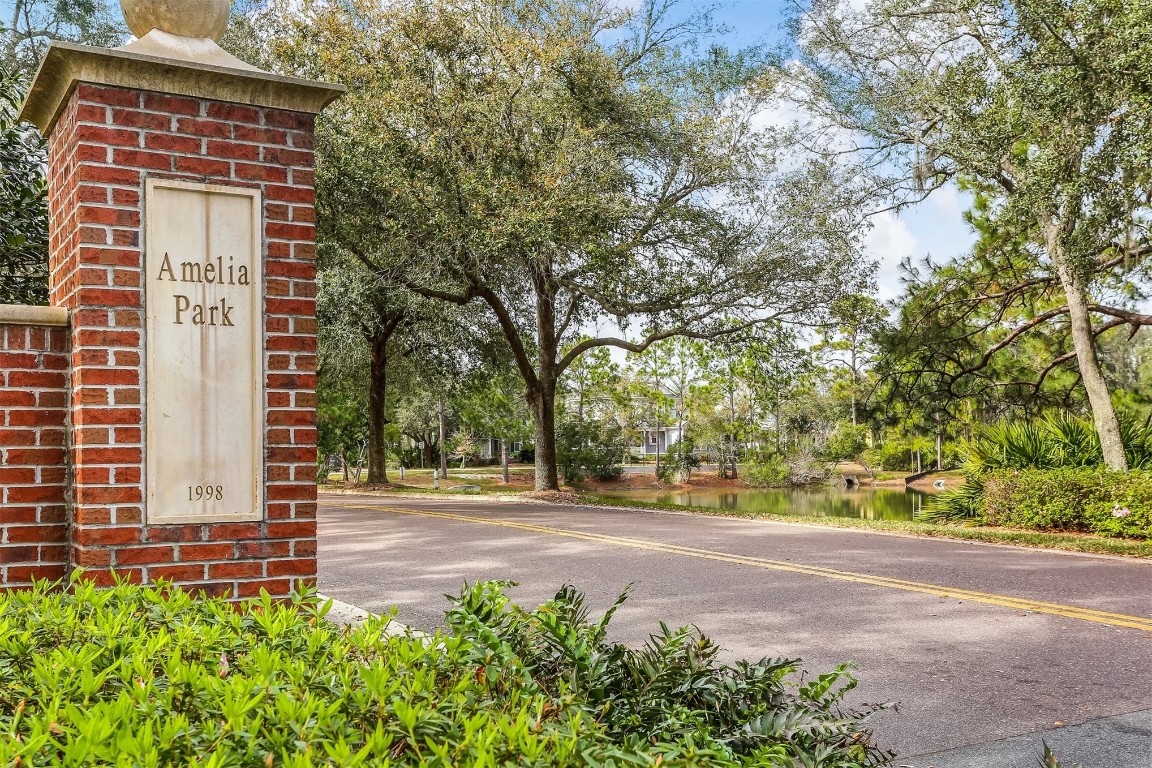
column 568, row 166
column 23, row 204
column 1040, row 105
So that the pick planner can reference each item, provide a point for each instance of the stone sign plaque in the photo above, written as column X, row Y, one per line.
column 203, row 345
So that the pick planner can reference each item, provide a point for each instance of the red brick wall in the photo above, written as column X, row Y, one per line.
column 107, row 141
column 33, row 475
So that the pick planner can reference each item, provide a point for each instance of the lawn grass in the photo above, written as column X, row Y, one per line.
column 1098, row 545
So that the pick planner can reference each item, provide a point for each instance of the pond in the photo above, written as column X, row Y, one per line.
column 867, row 503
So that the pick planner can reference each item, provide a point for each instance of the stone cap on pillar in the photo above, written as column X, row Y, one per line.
column 172, row 60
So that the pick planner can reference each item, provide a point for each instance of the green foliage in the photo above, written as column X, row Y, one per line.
column 1054, row 443
column 848, row 442
column 150, row 676
column 896, row 455
column 796, row 469
column 1079, row 499
column 567, row 164
column 1043, row 113
column 341, row 428
column 23, row 204
column 963, row 502
column 1049, row 759
column 677, row 464
column 769, row 473
column 589, row 449
column 36, row 22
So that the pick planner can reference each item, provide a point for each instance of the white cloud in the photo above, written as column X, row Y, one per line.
column 888, row 242
column 946, row 200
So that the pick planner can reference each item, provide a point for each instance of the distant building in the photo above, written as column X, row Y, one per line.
column 490, row 448
column 658, row 440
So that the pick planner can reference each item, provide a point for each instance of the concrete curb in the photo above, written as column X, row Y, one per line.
column 1120, row 741
column 348, row 615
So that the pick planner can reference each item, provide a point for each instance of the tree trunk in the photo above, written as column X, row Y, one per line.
column 504, row 459
column 779, row 425
column 543, row 404
column 732, row 421
column 1080, row 320
column 377, row 391
column 854, row 381
column 443, row 441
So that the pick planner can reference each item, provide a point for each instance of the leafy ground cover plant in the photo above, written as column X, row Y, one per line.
column 150, row 676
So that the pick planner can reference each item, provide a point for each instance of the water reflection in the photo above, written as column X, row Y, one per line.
column 866, row 503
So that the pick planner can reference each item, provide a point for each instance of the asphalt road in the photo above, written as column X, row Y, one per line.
column 987, row 649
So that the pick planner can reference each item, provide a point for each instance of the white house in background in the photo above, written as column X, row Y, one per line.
column 489, row 448
column 658, row 439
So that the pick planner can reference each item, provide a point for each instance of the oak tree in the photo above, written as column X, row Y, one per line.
column 568, row 166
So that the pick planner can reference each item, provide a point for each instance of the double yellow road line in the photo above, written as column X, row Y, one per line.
column 1004, row 601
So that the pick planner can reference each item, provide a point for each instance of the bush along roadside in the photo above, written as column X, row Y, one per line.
column 1079, row 499
column 150, row 676
column 1049, row 475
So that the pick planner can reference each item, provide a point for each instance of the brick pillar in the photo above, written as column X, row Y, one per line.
column 33, row 418
column 108, row 138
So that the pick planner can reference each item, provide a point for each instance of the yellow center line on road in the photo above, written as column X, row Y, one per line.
column 1005, row 601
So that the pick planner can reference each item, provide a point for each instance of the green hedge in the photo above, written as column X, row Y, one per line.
column 151, row 677
column 771, row 473
column 1087, row 500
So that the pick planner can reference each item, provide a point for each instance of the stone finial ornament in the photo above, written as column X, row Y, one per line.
column 185, row 30
column 183, row 18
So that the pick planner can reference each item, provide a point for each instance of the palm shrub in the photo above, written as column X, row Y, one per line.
column 1052, row 443
column 138, row 675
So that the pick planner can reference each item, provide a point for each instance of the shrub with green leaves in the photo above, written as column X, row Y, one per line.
column 1056, row 444
column 677, row 464
column 23, row 202
column 589, row 449
column 772, row 472
column 846, row 443
column 149, row 676
column 1079, row 499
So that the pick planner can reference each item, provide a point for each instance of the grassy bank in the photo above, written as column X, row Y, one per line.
column 1099, row 545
